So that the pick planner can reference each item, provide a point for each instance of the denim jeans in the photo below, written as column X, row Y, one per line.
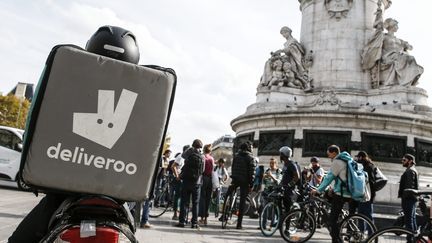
column 145, row 212
column 366, row 208
column 409, row 209
column 176, row 192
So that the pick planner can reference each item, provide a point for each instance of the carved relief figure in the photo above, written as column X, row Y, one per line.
column 289, row 76
column 338, row 8
column 288, row 66
column 387, row 58
column 277, row 73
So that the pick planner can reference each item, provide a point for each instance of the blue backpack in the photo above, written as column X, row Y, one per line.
column 357, row 178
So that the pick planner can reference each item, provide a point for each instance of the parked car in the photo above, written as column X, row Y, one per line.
column 11, row 144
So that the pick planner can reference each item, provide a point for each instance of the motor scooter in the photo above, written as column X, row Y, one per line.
column 91, row 218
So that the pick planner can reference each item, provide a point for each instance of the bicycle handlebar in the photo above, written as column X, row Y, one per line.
column 418, row 192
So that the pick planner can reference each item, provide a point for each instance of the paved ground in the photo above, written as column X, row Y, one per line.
column 164, row 231
column 14, row 205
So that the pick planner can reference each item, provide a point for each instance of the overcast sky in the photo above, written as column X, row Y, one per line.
column 217, row 47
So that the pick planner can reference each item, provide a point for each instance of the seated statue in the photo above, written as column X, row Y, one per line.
column 293, row 57
column 386, row 56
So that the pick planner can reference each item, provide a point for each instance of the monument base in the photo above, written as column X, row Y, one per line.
column 385, row 123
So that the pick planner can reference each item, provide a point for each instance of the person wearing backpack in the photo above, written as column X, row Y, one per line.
column 337, row 173
column 191, row 181
column 243, row 173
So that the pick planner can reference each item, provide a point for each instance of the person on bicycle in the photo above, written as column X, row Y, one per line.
column 35, row 225
column 337, row 173
column 243, row 173
column 409, row 180
column 290, row 176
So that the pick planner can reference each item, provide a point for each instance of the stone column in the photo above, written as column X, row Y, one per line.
column 336, row 31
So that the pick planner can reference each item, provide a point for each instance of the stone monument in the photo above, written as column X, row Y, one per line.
column 348, row 81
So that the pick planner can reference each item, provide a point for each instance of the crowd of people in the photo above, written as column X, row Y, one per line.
column 194, row 173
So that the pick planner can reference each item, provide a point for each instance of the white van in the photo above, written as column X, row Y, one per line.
column 11, row 142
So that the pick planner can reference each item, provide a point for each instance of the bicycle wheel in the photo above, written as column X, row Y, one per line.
column 227, row 211
column 219, row 206
column 246, row 206
column 297, row 226
column 393, row 235
column 356, row 228
column 159, row 205
column 269, row 219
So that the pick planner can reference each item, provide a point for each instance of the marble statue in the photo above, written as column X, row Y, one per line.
column 387, row 58
column 338, row 8
column 288, row 66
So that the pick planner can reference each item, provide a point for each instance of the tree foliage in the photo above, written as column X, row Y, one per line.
column 13, row 111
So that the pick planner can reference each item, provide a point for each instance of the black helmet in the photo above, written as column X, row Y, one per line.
column 114, row 42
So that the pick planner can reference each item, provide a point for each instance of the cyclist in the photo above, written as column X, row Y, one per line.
column 337, row 173
column 35, row 225
column 290, row 175
column 243, row 173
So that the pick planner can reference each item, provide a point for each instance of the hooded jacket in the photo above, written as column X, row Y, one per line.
column 337, row 173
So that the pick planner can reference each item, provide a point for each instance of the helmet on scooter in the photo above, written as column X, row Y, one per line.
column 114, row 42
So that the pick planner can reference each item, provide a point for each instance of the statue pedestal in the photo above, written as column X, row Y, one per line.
column 343, row 107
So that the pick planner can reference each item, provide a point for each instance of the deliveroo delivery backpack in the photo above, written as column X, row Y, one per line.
column 97, row 124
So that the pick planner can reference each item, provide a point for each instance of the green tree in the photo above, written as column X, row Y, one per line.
column 13, row 111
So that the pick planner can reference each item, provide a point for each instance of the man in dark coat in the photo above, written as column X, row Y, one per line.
column 243, row 172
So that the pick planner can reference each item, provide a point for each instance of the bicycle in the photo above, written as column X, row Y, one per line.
column 399, row 234
column 162, row 201
column 421, row 213
column 216, row 202
column 231, row 207
column 271, row 212
column 300, row 225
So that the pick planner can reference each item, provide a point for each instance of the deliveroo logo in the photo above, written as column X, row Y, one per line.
column 107, row 125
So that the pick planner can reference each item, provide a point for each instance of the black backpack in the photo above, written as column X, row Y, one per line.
column 193, row 167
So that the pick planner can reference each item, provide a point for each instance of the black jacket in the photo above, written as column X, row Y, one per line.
column 409, row 180
column 243, row 168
